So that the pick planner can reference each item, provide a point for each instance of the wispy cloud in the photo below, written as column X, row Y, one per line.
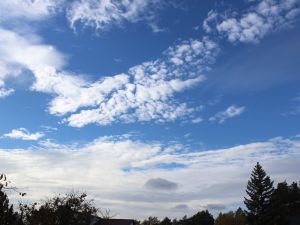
column 23, row 134
column 104, row 14
column 132, row 164
column 230, row 112
column 28, row 10
column 257, row 21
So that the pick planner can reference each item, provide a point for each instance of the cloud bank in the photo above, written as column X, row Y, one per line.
column 115, row 171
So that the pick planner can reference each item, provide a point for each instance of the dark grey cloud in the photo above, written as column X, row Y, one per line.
column 181, row 207
column 161, row 184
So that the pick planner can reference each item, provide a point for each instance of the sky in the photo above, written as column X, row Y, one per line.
column 152, row 107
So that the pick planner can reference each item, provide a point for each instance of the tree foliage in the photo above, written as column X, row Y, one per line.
column 285, row 201
column 231, row 218
column 7, row 214
column 70, row 209
column 259, row 191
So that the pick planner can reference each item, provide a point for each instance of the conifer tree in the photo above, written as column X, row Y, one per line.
column 259, row 191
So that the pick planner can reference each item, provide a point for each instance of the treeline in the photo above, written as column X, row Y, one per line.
column 264, row 205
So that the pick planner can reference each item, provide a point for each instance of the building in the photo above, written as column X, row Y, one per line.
column 100, row 221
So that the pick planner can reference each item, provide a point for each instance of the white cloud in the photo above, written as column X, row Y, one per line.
column 102, row 14
column 146, row 92
column 25, row 51
column 197, row 120
column 5, row 92
column 211, row 17
column 27, row 9
column 114, row 172
column 265, row 17
column 23, row 134
column 230, row 112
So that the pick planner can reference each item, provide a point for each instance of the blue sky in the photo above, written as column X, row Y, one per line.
column 145, row 95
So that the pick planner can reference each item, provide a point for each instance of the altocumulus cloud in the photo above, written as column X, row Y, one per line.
column 100, row 167
column 259, row 19
column 147, row 91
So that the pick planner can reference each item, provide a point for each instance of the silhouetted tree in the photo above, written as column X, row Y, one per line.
column 259, row 189
column 166, row 221
column 294, row 198
column 240, row 217
column 279, row 208
column 231, row 218
column 285, row 202
column 7, row 214
column 71, row 209
column 151, row 221
column 202, row 218
column 225, row 219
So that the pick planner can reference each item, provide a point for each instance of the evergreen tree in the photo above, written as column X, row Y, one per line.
column 259, row 189
column 279, row 204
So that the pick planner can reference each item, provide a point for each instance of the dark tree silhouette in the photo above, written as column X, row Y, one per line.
column 285, row 202
column 225, row 219
column 231, row 218
column 7, row 214
column 151, row 221
column 259, row 189
column 240, row 217
column 71, row 209
column 166, row 221
column 202, row 218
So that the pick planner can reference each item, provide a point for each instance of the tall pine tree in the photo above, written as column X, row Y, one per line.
column 259, row 191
